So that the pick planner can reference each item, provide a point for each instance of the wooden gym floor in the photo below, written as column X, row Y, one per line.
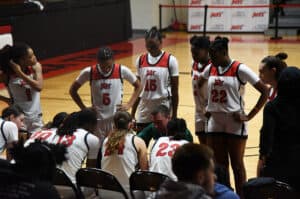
column 247, row 48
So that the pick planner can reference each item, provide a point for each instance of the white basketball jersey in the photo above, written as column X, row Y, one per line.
column 161, row 154
column 200, row 95
column 155, row 78
column 225, row 89
column 107, row 91
column 79, row 146
column 23, row 95
column 121, row 163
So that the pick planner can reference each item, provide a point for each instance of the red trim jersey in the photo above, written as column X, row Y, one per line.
column 121, row 163
column 80, row 145
column 106, row 91
column 155, row 76
column 226, row 86
column 161, row 155
column 200, row 95
column 24, row 95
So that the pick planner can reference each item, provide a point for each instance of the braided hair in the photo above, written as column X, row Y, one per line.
column 105, row 53
column 116, row 139
column 219, row 44
column 153, row 33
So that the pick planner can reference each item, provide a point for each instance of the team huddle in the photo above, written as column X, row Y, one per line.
column 110, row 137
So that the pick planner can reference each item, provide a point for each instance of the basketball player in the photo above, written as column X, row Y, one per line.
column 199, row 50
column 158, row 72
column 12, row 120
column 164, row 148
column 227, row 133
column 106, row 82
column 269, row 71
column 76, row 133
column 122, row 151
column 24, row 80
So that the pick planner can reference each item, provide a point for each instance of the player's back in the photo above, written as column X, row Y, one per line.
column 161, row 154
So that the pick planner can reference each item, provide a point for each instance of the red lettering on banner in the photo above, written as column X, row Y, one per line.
column 150, row 72
column 237, row 2
column 258, row 14
column 236, row 27
column 193, row 2
column 195, row 27
column 216, row 14
column 105, row 86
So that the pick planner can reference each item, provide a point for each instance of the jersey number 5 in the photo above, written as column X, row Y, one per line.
column 166, row 149
column 106, row 99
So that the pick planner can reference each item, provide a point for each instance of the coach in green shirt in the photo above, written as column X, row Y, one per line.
column 158, row 127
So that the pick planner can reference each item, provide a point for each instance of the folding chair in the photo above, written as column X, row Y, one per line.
column 267, row 188
column 145, row 181
column 98, row 179
column 64, row 185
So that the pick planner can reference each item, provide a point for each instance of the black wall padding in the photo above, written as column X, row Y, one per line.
column 70, row 28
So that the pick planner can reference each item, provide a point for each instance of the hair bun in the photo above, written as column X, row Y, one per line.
column 281, row 55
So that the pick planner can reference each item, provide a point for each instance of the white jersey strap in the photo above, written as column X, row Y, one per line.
column 2, row 133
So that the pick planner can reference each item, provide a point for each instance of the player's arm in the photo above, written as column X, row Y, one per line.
column 75, row 96
column 247, row 75
column 264, row 93
column 142, row 153
column 136, row 102
column 12, row 137
column 94, row 145
column 135, row 82
column 174, row 74
column 175, row 98
column 203, row 76
column 37, row 81
column 135, row 95
column 3, row 79
column 81, row 79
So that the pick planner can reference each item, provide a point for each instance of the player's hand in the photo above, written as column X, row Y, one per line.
column 123, row 107
column 240, row 117
column 15, row 67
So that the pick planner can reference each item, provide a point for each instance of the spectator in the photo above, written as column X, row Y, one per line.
column 279, row 146
column 270, row 69
column 32, row 174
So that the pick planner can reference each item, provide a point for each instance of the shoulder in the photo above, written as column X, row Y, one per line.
column 9, row 125
column 37, row 66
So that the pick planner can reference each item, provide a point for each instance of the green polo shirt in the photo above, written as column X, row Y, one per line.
column 151, row 132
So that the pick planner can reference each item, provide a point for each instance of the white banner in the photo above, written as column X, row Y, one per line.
column 229, row 19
